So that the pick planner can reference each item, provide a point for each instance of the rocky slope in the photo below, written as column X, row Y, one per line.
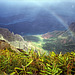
column 10, row 36
column 52, row 34
column 13, row 39
column 72, row 27
column 6, row 45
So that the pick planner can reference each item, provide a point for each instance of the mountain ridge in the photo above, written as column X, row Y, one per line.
column 13, row 39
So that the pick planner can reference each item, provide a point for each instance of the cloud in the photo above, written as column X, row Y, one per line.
column 35, row 2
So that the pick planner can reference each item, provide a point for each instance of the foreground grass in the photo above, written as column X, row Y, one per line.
column 35, row 63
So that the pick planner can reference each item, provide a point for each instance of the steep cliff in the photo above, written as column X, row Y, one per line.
column 72, row 27
column 14, row 39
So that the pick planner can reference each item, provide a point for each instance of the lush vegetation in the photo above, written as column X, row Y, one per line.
column 61, row 43
column 36, row 63
column 31, row 38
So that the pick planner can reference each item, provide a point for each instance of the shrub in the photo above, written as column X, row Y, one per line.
column 32, row 63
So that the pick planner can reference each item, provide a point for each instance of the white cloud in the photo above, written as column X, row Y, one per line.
column 42, row 2
column 36, row 0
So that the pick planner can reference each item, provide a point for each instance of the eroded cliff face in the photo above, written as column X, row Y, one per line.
column 13, row 39
column 10, row 36
column 72, row 27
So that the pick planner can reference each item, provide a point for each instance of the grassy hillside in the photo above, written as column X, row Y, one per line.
column 35, row 63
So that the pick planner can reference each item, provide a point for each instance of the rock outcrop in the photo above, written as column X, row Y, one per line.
column 10, row 36
column 13, row 39
column 4, row 44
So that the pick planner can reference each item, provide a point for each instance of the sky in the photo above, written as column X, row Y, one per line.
column 41, row 1
column 33, row 2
